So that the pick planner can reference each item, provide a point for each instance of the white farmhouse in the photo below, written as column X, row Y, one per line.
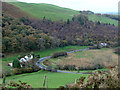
column 25, row 59
column 103, row 44
column 22, row 60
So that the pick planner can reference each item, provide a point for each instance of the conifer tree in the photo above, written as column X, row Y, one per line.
column 16, row 64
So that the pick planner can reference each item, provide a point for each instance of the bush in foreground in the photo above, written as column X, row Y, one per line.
column 99, row 79
column 18, row 86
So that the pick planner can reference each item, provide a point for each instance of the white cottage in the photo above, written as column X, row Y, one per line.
column 25, row 59
column 103, row 44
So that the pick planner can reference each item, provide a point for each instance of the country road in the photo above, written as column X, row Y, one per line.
column 39, row 63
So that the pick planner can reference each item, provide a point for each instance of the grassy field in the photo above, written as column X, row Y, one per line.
column 54, row 79
column 88, row 58
column 102, row 19
column 43, row 53
column 49, row 11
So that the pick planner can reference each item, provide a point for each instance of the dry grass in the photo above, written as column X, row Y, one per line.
column 105, row 57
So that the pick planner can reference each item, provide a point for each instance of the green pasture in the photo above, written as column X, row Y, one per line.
column 54, row 80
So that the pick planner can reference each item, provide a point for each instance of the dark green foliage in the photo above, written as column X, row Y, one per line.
column 44, row 18
column 98, row 23
column 16, row 64
column 27, row 70
column 57, row 54
column 69, row 67
column 73, row 19
column 66, row 67
column 68, row 21
column 82, row 19
column 37, row 56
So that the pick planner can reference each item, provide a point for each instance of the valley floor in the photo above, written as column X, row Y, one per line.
column 54, row 79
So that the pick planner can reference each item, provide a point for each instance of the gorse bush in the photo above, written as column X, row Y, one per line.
column 13, row 84
column 99, row 79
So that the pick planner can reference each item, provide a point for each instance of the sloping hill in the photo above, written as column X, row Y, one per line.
column 13, row 11
column 49, row 11
column 102, row 19
column 39, row 10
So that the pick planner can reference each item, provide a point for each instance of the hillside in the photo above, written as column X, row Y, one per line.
column 49, row 11
column 102, row 19
column 13, row 11
column 39, row 10
column 30, row 34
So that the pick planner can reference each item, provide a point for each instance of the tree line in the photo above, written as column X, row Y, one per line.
column 24, row 34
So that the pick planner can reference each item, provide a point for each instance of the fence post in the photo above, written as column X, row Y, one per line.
column 44, row 81
column 4, row 77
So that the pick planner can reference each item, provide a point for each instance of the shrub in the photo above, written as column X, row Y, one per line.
column 27, row 70
column 18, row 86
column 117, row 50
column 69, row 67
column 99, row 79
column 57, row 54
column 17, row 71
column 66, row 67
